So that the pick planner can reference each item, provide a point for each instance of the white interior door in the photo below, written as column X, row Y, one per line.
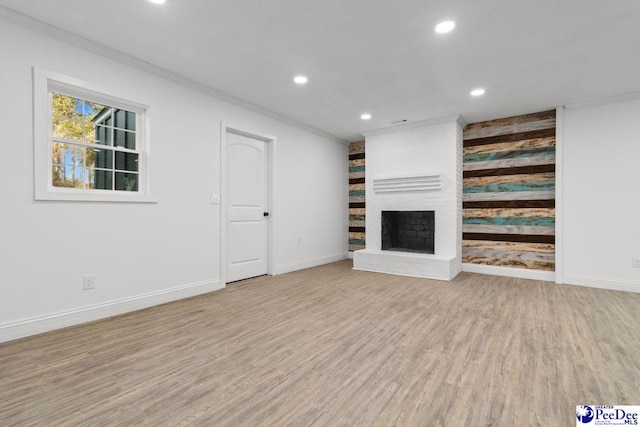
column 247, row 220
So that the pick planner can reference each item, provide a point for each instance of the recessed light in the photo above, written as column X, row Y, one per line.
column 477, row 92
column 300, row 80
column 365, row 116
column 158, row 1
column 445, row 27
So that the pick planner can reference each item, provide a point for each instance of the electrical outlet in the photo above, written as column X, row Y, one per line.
column 88, row 282
column 215, row 199
column 635, row 262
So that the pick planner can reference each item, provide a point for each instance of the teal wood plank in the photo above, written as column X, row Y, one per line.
column 515, row 154
column 356, row 168
column 512, row 186
column 514, row 220
column 353, row 193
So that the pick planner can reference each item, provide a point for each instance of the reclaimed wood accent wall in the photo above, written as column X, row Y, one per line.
column 508, row 198
column 356, row 196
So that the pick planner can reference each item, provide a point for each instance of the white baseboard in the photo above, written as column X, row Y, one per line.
column 37, row 325
column 288, row 268
column 599, row 282
column 522, row 273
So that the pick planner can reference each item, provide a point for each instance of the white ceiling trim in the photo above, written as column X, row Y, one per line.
column 116, row 55
column 422, row 123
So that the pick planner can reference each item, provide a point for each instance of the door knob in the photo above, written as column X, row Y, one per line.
column 265, row 213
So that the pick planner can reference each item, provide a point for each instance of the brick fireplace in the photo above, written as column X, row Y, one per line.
column 414, row 167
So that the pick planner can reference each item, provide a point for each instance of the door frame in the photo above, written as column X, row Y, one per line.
column 224, row 205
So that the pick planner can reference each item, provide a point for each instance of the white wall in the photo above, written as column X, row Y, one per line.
column 601, row 197
column 143, row 254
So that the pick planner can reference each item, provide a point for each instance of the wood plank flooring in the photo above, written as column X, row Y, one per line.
column 330, row 346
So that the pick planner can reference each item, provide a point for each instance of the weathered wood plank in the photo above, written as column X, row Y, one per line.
column 522, row 170
column 533, row 265
column 543, row 133
column 509, row 246
column 356, row 187
column 357, row 236
column 357, row 147
column 356, row 180
column 506, row 179
column 356, row 199
column 508, row 229
column 513, row 195
column 508, row 254
column 356, row 247
column 510, row 146
column 356, row 156
column 507, row 121
column 528, row 238
column 534, row 221
column 356, row 162
column 357, row 205
column 356, row 223
column 508, row 204
column 510, row 187
column 491, row 130
column 512, row 154
column 510, row 212
column 509, row 163
column 357, row 211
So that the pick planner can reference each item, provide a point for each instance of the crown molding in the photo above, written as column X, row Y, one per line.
column 455, row 118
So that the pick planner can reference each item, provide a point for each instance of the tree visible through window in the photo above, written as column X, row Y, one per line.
column 93, row 146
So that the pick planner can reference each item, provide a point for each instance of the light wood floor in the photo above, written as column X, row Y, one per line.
column 330, row 346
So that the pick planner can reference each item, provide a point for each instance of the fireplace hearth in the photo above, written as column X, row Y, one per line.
column 408, row 231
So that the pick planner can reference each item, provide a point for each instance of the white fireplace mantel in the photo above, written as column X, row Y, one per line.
column 415, row 166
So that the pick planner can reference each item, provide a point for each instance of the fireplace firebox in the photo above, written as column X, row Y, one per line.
column 408, row 231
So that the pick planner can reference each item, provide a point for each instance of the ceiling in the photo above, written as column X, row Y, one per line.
column 377, row 56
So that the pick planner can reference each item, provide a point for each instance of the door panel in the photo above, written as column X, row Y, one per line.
column 247, row 230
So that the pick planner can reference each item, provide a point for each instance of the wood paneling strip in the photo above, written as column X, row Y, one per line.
column 508, row 179
column 510, row 212
column 490, row 204
column 509, row 229
column 515, row 220
column 509, row 129
column 548, row 115
column 357, row 175
column 533, row 265
column 508, row 254
column 509, row 246
column 509, row 146
column 510, row 237
column 510, row 171
column 511, row 154
column 515, row 195
column 544, row 133
column 510, row 163
column 511, row 188
column 356, row 147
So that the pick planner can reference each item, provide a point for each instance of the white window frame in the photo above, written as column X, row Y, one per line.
column 45, row 83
